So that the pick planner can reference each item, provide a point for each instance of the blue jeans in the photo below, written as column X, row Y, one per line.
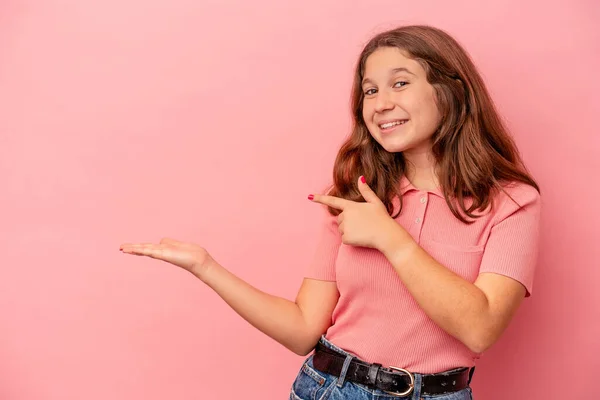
column 311, row 384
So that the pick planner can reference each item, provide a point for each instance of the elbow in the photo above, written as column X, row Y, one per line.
column 481, row 341
column 479, row 346
column 303, row 347
column 302, row 351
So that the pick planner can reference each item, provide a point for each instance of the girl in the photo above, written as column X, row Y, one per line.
column 429, row 243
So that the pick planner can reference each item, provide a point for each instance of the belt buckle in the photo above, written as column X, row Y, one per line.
column 411, row 385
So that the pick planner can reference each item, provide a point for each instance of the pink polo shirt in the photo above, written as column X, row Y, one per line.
column 378, row 320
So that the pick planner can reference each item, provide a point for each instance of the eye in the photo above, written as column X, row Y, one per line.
column 400, row 84
column 370, row 92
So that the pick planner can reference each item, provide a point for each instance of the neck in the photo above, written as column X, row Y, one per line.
column 420, row 170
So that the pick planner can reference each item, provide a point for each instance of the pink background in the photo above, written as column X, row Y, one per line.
column 210, row 122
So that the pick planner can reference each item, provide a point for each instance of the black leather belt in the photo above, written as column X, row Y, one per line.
column 392, row 380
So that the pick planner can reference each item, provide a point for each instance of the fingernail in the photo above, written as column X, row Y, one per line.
column 363, row 180
column 310, row 197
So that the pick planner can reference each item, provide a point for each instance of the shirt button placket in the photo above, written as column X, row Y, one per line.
column 421, row 214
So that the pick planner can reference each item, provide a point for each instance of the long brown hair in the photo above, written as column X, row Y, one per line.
column 474, row 153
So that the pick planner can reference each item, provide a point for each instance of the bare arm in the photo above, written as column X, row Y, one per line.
column 474, row 313
column 296, row 325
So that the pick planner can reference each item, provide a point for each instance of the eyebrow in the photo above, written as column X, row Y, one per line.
column 394, row 71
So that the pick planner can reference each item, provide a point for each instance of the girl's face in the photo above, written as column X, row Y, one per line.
column 399, row 106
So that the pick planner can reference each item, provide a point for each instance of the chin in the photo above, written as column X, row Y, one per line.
column 393, row 149
column 391, row 146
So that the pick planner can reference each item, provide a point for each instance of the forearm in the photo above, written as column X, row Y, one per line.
column 457, row 306
column 279, row 318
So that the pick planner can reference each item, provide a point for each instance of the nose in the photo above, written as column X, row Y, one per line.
column 383, row 101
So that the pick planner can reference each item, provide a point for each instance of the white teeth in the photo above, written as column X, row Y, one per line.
column 390, row 124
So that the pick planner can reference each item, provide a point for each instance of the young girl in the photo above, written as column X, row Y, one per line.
column 429, row 243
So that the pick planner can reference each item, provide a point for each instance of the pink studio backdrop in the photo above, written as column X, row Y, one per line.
column 210, row 122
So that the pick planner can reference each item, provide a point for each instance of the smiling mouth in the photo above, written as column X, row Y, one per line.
column 392, row 124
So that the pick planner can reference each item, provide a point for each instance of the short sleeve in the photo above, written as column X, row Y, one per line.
column 322, row 265
column 512, row 247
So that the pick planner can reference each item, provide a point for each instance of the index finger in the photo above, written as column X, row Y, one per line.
column 332, row 201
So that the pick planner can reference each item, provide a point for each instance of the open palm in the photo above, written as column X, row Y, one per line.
column 188, row 256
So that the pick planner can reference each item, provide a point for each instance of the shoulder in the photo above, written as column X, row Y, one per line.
column 514, row 197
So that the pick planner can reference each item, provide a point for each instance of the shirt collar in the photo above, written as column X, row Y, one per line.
column 407, row 186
